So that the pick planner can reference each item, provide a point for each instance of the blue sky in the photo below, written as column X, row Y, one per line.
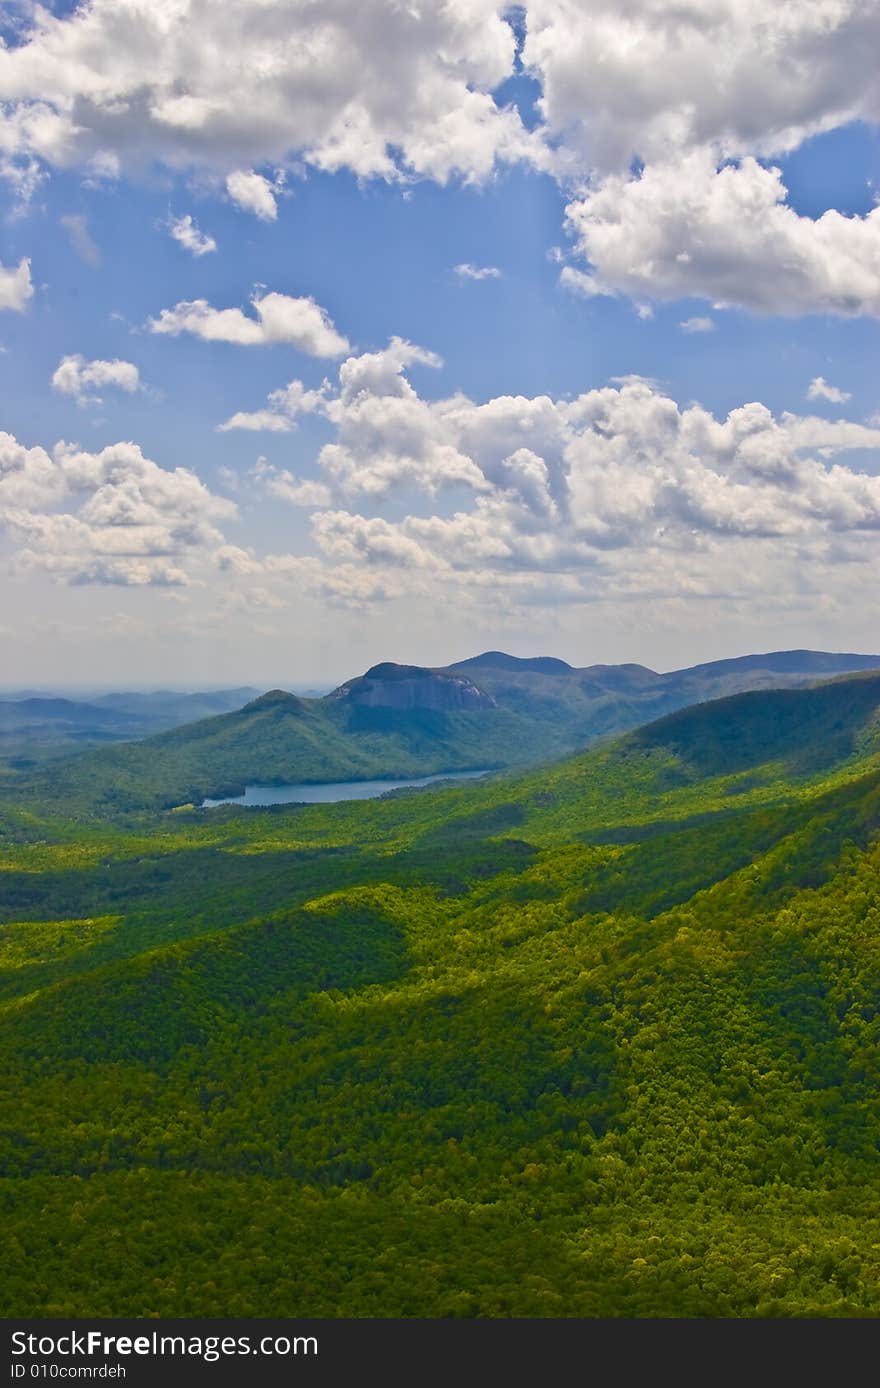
column 650, row 270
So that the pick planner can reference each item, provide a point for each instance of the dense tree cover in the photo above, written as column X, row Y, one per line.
column 597, row 1040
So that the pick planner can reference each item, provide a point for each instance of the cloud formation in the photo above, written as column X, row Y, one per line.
column 696, row 98
column 253, row 193
column 374, row 87
column 300, row 323
column 655, row 79
column 187, row 234
column 80, row 378
column 16, row 289
column 283, row 408
column 111, row 517
column 690, row 230
column 820, row 389
column 619, row 493
column 477, row 272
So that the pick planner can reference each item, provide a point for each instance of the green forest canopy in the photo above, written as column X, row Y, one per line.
column 596, row 1039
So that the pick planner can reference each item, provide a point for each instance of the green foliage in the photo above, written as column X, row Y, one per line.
column 598, row 1039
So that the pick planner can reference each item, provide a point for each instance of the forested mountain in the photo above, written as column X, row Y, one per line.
column 34, row 728
column 598, row 1038
column 488, row 713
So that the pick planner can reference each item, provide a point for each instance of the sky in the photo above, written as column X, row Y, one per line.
column 357, row 331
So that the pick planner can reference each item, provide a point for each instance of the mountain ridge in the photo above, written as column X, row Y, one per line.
column 396, row 722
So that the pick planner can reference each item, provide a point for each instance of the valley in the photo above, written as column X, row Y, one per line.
column 593, row 1037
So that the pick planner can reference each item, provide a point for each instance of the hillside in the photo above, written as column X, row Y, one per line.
column 396, row 721
column 593, row 1039
column 596, row 700
column 35, row 728
column 276, row 739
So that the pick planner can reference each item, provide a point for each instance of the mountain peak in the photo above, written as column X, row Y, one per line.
column 390, row 670
column 413, row 687
column 277, row 699
column 500, row 660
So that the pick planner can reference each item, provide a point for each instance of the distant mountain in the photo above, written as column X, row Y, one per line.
column 363, row 731
column 789, row 663
column 397, row 721
column 406, row 687
column 170, row 708
column 35, row 712
column 498, row 660
column 36, row 728
column 596, row 700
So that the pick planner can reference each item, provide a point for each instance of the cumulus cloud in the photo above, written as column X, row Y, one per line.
column 698, row 325
column 618, row 494
column 280, row 318
column 653, row 78
column 253, row 193
column 375, row 87
column 80, row 378
column 111, row 517
column 188, row 235
column 697, row 97
column 689, row 230
column 477, row 272
column 16, row 289
column 820, row 389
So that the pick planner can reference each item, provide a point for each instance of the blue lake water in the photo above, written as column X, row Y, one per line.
column 332, row 791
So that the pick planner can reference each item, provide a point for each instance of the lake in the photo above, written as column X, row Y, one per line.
column 332, row 791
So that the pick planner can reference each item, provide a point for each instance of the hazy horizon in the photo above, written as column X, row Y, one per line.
column 300, row 685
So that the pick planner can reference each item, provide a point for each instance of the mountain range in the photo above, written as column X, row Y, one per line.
column 36, row 727
column 491, row 712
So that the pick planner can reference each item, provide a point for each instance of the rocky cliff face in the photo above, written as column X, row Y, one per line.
column 413, row 687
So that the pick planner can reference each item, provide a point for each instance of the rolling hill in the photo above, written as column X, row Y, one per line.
column 598, row 1038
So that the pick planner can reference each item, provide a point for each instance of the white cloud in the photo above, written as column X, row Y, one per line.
column 654, row 79
column 188, row 235
column 259, row 421
column 375, row 87
column 253, row 193
column 28, row 477
column 16, row 289
column 698, row 325
column 695, row 95
column 477, row 272
column 617, row 495
column 77, row 228
column 284, row 486
column 578, row 282
column 80, row 378
column 819, row 389
column 688, row 230
column 111, row 517
column 299, row 322
column 284, row 408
